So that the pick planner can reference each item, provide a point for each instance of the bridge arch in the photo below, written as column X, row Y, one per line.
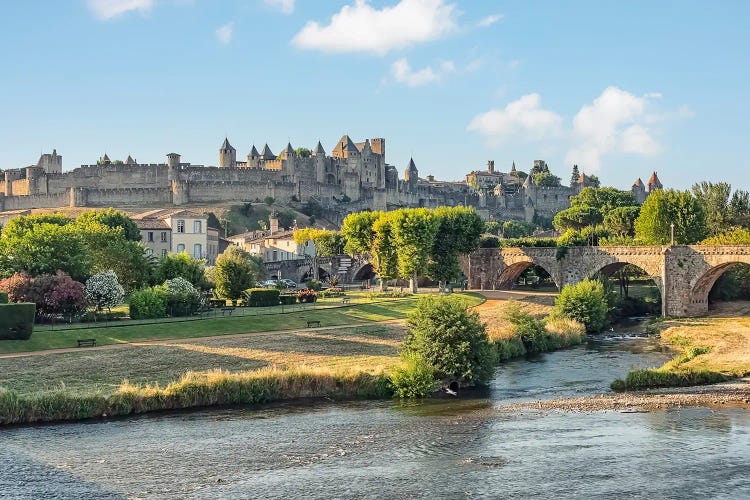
column 605, row 262
column 508, row 275
column 364, row 272
column 702, row 284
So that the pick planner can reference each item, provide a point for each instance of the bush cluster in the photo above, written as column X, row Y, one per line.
column 182, row 297
column 415, row 378
column 307, row 296
column 585, row 302
column 148, row 303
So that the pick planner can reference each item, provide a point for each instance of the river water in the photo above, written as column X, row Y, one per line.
column 468, row 448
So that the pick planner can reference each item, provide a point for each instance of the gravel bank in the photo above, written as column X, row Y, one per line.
column 735, row 393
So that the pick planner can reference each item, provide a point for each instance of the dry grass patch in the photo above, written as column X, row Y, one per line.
column 495, row 314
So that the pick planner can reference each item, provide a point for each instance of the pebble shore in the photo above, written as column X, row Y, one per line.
column 735, row 393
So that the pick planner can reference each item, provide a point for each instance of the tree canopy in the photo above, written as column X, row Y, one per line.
column 603, row 199
column 236, row 271
column 577, row 217
column 662, row 208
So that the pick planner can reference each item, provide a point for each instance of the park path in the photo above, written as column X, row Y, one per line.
column 151, row 342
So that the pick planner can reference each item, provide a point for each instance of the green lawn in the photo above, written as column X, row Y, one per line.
column 358, row 313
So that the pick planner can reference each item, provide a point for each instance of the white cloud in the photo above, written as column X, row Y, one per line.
column 524, row 118
column 285, row 6
column 224, row 33
column 489, row 20
column 362, row 28
column 107, row 9
column 613, row 122
column 403, row 73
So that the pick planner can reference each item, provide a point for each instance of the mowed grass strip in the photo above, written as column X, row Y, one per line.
column 368, row 348
column 350, row 315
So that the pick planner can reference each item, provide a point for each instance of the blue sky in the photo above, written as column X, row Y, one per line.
column 620, row 88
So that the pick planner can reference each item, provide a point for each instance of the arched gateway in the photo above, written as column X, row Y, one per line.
column 683, row 274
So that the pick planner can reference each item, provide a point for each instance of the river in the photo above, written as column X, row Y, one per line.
column 468, row 448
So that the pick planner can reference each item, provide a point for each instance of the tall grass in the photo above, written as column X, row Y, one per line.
column 519, row 333
column 194, row 389
column 672, row 374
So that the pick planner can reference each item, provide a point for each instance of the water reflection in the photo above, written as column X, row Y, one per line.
column 440, row 449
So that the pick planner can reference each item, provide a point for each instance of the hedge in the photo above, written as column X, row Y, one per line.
column 288, row 299
column 257, row 297
column 17, row 321
column 3, row 297
column 149, row 303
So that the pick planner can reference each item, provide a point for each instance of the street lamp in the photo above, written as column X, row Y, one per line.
column 671, row 231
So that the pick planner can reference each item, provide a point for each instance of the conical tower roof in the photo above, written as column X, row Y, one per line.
column 411, row 165
column 319, row 151
column 654, row 182
column 254, row 152
column 226, row 146
column 105, row 157
column 267, row 154
column 130, row 160
column 528, row 182
column 513, row 167
column 638, row 182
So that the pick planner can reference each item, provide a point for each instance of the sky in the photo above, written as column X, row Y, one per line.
column 619, row 88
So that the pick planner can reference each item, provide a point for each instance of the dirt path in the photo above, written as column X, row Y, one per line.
column 151, row 342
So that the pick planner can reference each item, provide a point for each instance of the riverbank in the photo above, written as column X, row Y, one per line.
column 335, row 362
column 709, row 350
column 735, row 393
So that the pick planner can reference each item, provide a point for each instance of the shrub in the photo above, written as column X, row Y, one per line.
column 306, row 296
column 104, row 291
column 17, row 321
column 450, row 338
column 148, row 303
column 584, row 302
column 288, row 299
column 415, row 378
column 257, row 297
column 18, row 287
column 182, row 297
column 316, row 285
column 52, row 293
column 236, row 271
column 3, row 297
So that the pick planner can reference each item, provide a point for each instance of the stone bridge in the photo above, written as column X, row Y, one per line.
column 684, row 274
column 349, row 269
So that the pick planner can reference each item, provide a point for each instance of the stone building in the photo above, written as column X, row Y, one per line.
column 178, row 231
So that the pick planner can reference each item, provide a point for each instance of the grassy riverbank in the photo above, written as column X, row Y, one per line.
column 710, row 350
column 347, row 362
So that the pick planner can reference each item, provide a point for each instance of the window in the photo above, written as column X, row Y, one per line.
column 163, row 237
column 163, row 252
column 197, row 226
column 150, row 236
column 180, row 248
column 275, row 255
column 180, row 226
column 197, row 251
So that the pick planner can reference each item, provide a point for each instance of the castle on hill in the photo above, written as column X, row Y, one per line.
column 354, row 176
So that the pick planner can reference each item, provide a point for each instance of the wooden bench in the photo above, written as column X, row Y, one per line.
column 227, row 310
column 346, row 300
column 86, row 342
column 311, row 324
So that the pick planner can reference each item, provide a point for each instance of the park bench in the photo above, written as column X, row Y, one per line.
column 86, row 342
column 346, row 300
column 311, row 324
column 227, row 310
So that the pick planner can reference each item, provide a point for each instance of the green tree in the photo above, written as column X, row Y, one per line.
column 358, row 232
column 662, row 208
column 44, row 248
column 19, row 226
column 620, row 221
column 585, row 302
column 739, row 208
column 451, row 339
column 577, row 217
column 236, row 271
column 574, row 176
column 181, row 265
column 384, row 249
column 603, row 199
column 715, row 199
column 517, row 229
column 303, row 152
column 492, row 227
column 113, row 219
column 414, row 231
column 546, row 179
column 459, row 230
